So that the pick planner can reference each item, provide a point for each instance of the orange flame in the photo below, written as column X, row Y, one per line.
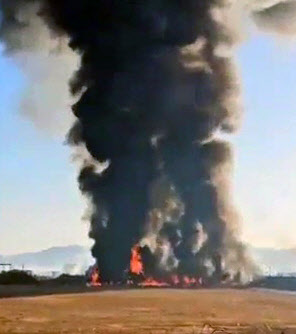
column 175, row 279
column 95, row 277
column 189, row 281
column 136, row 264
column 152, row 282
column 137, row 268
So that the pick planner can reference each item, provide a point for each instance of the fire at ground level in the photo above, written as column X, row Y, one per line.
column 135, row 275
column 152, row 311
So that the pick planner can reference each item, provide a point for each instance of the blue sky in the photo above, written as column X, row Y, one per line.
column 41, row 205
column 265, row 177
column 40, row 202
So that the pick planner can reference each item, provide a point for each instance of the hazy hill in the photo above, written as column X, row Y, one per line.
column 71, row 259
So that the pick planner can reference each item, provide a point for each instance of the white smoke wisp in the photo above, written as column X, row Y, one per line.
column 46, row 62
column 46, row 99
column 81, row 264
column 274, row 16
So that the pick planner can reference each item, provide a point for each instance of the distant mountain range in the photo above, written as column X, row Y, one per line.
column 70, row 259
column 76, row 259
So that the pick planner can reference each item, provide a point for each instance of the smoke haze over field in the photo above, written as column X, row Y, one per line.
column 156, row 83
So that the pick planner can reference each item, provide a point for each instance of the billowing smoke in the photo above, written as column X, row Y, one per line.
column 46, row 62
column 155, row 89
column 279, row 17
column 157, row 84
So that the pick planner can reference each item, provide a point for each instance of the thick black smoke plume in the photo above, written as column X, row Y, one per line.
column 156, row 85
column 155, row 89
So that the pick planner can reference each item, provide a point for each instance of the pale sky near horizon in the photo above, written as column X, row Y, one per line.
column 40, row 202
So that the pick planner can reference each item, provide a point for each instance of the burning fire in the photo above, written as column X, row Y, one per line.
column 136, row 263
column 152, row 282
column 137, row 270
column 175, row 279
column 189, row 281
column 95, row 277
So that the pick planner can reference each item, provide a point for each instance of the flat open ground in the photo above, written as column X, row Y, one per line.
column 150, row 311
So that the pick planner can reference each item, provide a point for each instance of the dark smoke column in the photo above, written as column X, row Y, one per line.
column 155, row 88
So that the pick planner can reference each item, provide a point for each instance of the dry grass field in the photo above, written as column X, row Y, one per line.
column 153, row 311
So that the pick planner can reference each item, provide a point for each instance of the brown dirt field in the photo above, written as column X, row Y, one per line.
column 153, row 311
column 40, row 290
